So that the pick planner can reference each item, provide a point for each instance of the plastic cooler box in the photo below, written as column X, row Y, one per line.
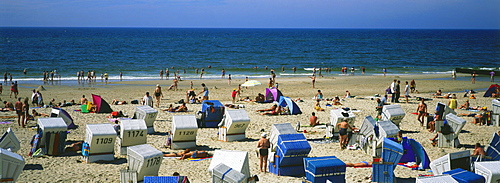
column 212, row 113
column 101, row 140
column 132, row 132
column 292, row 149
column 225, row 174
column 386, row 129
column 237, row 160
column 148, row 114
column 320, row 169
column 464, row 176
column 436, row 179
column 337, row 116
column 144, row 159
column 278, row 129
column 9, row 141
column 393, row 113
column 235, row 124
column 11, row 165
column 490, row 170
column 451, row 161
column 184, row 130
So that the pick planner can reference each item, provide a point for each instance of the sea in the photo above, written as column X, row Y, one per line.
column 140, row 53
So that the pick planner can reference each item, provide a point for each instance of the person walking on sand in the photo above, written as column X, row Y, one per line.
column 492, row 76
column 25, row 112
column 263, row 146
column 343, row 126
column 223, row 75
column 229, row 79
column 13, row 89
column 398, row 91
column 385, row 71
column 422, row 112
column 158, row 95
column 413, row 85
column 147, row 100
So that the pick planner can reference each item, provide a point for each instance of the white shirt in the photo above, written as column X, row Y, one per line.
column 147, row 100
column 393, row 87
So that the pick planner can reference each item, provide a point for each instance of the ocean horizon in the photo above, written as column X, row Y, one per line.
column 140, row 53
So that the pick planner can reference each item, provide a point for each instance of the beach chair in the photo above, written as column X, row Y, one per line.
column 451, row 161
column 495, row 112
column 367, row 135
column 225, row 174
column 451, row 140
column 237, row 160
column 337, row 116
column 489, row 170
column 184, row 131
column 278, row 129
column 393, row 113
column 9, row 141
column 462, row 175
column 11, row 164
column 101, row 142
column 144, row 159
column 148, row 114
column 493, row 148
column 132, row 132
column 53, row 135
column 433, row 179
column 166, row 179
column 235, row 123
column 290, row 153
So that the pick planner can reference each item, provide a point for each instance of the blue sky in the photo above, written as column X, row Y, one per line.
column 441, row 14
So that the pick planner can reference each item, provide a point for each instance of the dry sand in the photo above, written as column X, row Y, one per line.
column 68, row 168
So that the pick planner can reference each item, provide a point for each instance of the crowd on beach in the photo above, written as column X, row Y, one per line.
column 394, row 91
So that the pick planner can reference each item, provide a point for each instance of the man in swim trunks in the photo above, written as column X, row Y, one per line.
column 263, row 146
column 343, row 126
column 422, row 111
column 19, row 110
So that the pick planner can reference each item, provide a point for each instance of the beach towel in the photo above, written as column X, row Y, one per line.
column 6, row 122
column 199, row 159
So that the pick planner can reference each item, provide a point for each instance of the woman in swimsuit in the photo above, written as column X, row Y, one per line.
column 158, row 95
column 263, row 146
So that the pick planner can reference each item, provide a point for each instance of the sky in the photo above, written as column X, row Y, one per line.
column 413, row 14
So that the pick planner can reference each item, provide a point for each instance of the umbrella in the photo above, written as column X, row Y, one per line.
column 251, row 83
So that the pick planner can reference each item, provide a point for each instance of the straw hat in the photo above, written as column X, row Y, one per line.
column 264, row 135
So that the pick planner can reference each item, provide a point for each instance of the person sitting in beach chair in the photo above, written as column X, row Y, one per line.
column 270, row 109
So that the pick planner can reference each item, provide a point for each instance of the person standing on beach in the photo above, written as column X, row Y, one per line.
column 492, row 76
column 263, row 146
column 233, row 95
column 362, row 70
column 294, row 69
column 161, row 74
column 229, row 79
column 205, row 92
column 1, row 88
column 422, row 112
column 19, row 110
column 13, row 90
column 452, row 103
column 270, row 84
column 223, row 74
column 473, row 79
column 147, row 100
column 398, row 92
column 238, row 91
column 313, row 80
column 385, row 71
column 407, row 91
column 343, row 126
column 167, row 73
column 453, row 74
column 393, row 90
column 26, row 112
column 158, row 95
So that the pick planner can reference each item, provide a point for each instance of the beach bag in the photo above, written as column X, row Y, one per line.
column 134, row 102
column 388, row 90
column 85, row 149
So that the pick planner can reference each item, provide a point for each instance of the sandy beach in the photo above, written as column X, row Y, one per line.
column 69, row 168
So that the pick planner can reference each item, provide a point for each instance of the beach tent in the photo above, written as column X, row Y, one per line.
column 490, row 90
column 292, row 106
column 58, row 112
column 101, row 105
column 273, row 94
column 414, row 152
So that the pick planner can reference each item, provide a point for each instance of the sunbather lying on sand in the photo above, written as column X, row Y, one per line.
column 270, row 109
column 362, row 164
column 274, row 112
column 188, row 154
column 181, row 108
